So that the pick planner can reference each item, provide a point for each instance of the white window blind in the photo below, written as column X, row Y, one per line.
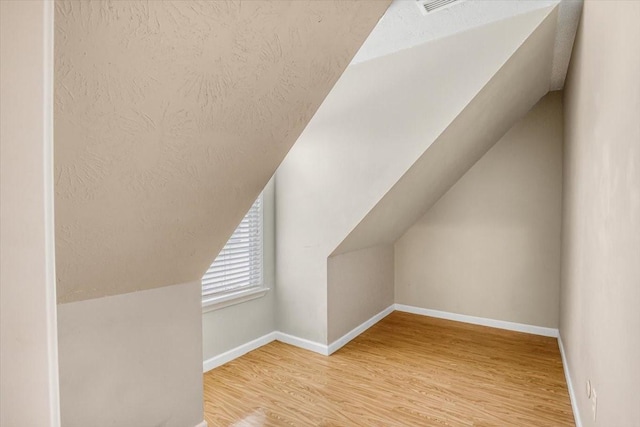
column 239, row 264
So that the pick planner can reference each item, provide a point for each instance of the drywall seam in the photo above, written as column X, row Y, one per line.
column 483, row 321
column 567, row 375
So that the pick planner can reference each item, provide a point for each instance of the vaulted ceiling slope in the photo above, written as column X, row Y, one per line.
column 513, row 91
column 170, row 117
column 403, row 27
column 376, row 123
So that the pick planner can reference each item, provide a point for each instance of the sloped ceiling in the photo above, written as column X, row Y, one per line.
column 375, row 124
column 513, row 91
column 404, row 26
column 170, row 117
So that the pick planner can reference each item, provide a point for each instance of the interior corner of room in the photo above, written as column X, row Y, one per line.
column 416, row 212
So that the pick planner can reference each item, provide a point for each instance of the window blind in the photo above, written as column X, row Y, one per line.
column 239, row 265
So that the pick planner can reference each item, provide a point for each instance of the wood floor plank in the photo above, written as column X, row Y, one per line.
column 407, row 370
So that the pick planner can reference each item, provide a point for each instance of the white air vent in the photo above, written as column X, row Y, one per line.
column 430, row 6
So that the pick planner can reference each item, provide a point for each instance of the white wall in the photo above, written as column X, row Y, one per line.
column 232, row 326
column 377, row 121
column 132, row 360
column 28, row 335
column 359, row 286
column 170, row 117
column 490, row 247
column 512, row 91
column 600, row 315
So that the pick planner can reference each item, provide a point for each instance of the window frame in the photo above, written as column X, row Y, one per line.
column 227, row 298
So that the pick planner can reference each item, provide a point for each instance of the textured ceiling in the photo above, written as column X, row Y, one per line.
column 170, row 117
column 404, row 26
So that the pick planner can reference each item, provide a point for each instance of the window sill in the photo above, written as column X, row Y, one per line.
column 216, row 303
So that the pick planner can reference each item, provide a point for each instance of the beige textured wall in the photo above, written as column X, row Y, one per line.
column 170, row 117
column 490, row 247
column 377, row 121
column 132, row 360
column 600, row 318
column 28, row 335
column 360, row 285
column 230, row 327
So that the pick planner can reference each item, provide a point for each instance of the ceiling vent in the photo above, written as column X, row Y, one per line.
column 430, row 6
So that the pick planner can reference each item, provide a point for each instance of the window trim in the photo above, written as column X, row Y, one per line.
column 233, row 297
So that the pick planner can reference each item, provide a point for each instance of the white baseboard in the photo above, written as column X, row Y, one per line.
column 303, row 343
column 342, row 341
column 572, row 394
column 326, row 350
column 316, row 347
column 202, row 424
column 234, row 353
column 500, row 324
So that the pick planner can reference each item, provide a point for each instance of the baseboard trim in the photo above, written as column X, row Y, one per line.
column 303, row 343
column 202, row 424
column 500, row 324
column 572, row 393
column 234, row 353
column 342, row 341
column 326, row 350
column 316, row 347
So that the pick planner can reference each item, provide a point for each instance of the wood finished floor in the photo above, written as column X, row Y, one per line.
column 407, row 370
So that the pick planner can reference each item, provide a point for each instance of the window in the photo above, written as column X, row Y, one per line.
column 236, row 274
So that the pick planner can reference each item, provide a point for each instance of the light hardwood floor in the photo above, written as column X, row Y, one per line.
column 407, row 370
